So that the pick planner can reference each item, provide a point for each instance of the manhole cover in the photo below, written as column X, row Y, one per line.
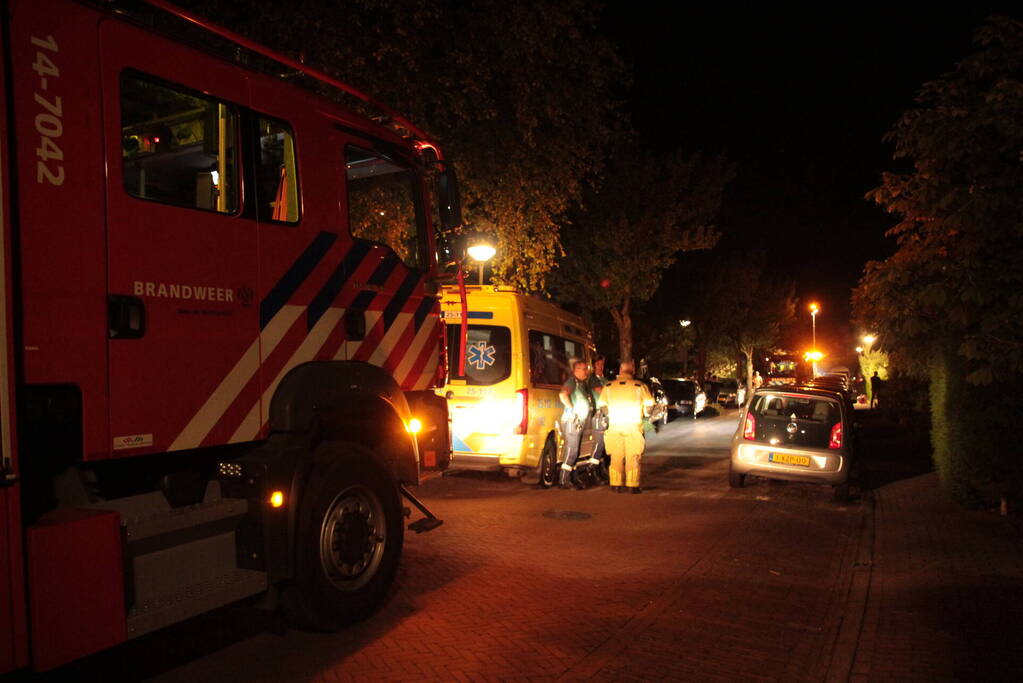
column 569, row 515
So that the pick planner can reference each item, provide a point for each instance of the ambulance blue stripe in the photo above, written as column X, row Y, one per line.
column 458, row 445
column 286, row 287
column 384, row 270
column 336, row 282
column 481, row 315
column 400, row 298
column 423, row 311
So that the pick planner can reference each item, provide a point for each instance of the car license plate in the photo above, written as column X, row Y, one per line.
column 787, row 459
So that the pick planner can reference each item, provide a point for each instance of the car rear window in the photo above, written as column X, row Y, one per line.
column 679, row 390
column 813, row 417
column 487, row 353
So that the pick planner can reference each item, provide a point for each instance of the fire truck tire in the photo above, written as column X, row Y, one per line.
column 348, row 542
column 547, row 468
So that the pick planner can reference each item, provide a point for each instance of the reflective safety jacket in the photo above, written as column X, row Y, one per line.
column 627, row 401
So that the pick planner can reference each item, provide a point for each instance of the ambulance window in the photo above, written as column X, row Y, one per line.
column 382, row 204
column 548, row 358
column 487, row 353
column 276, row 173
column 178, row 147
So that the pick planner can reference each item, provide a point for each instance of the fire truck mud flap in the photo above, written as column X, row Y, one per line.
column 429, row 522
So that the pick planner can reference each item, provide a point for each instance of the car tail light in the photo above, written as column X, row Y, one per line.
column 836, row 436
column 522, row 404
column 749, row 430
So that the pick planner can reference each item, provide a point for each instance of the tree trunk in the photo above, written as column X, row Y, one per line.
column 747, row 354
column 623, row 320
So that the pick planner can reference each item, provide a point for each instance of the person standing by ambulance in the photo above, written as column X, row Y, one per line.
column 579, row 406
column 628, row 400
column 596, row 382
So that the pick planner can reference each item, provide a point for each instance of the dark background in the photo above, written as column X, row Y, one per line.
column 800, row 98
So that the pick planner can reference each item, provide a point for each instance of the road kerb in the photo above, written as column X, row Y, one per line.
column 843, row 655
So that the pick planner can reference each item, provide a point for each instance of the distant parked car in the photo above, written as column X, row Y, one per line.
column 659, row 411
column 685, row 396
column 732, row 393
column 794, row 434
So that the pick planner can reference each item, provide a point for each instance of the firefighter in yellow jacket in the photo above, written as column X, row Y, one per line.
column 627, row 400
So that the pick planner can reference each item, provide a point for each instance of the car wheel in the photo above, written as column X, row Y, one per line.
column 735, row 479
column 348, row 541
column 841, row 492
column 547, row 468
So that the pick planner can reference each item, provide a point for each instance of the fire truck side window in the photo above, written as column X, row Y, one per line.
column 382, row 204
column 178, row 147
column 276, row 174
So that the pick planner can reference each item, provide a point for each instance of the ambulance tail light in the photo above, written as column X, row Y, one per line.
column 749, row 430
column 522, row 408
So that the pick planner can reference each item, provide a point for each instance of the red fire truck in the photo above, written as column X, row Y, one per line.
column 219, row 331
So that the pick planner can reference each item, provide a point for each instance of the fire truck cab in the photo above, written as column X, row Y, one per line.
column 219, row 332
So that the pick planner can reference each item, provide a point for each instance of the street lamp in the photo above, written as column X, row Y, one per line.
column 685, row 323
column 481, row 252
column 869, row 339
column 814, row 309
column 859, row 349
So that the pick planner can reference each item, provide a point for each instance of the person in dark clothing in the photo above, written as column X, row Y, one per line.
column 876, row 387
column 596, row 382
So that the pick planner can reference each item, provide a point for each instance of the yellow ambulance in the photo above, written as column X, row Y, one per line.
column 505, row 412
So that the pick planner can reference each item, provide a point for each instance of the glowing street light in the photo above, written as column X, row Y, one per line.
column 814, row 309
column 685, row 323
column 869, row 339
column 481, row 252
column 813, row 356
column 859, row 349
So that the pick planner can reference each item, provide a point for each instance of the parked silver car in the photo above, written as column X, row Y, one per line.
column 794, row 434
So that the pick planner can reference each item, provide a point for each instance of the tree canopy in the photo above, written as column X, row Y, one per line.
column 520, row 95
column 648, row 210
column 957, row 276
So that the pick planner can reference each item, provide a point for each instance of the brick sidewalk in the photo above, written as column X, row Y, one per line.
column 946, row 595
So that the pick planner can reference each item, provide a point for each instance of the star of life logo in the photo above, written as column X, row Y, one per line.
column 480, row 355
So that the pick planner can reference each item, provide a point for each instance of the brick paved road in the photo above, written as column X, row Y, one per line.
column 690, row 580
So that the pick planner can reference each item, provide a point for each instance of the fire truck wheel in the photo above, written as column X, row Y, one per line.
column 547, row 469
column 348, row 542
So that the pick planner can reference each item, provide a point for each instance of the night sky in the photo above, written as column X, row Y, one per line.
column 800, row 98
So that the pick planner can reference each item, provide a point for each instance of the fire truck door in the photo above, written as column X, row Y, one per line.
column 183, row 337
column 384, row 206
column 13, row 638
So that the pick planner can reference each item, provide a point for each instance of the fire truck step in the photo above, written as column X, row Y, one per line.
column 180, row 562
column 163, row 609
